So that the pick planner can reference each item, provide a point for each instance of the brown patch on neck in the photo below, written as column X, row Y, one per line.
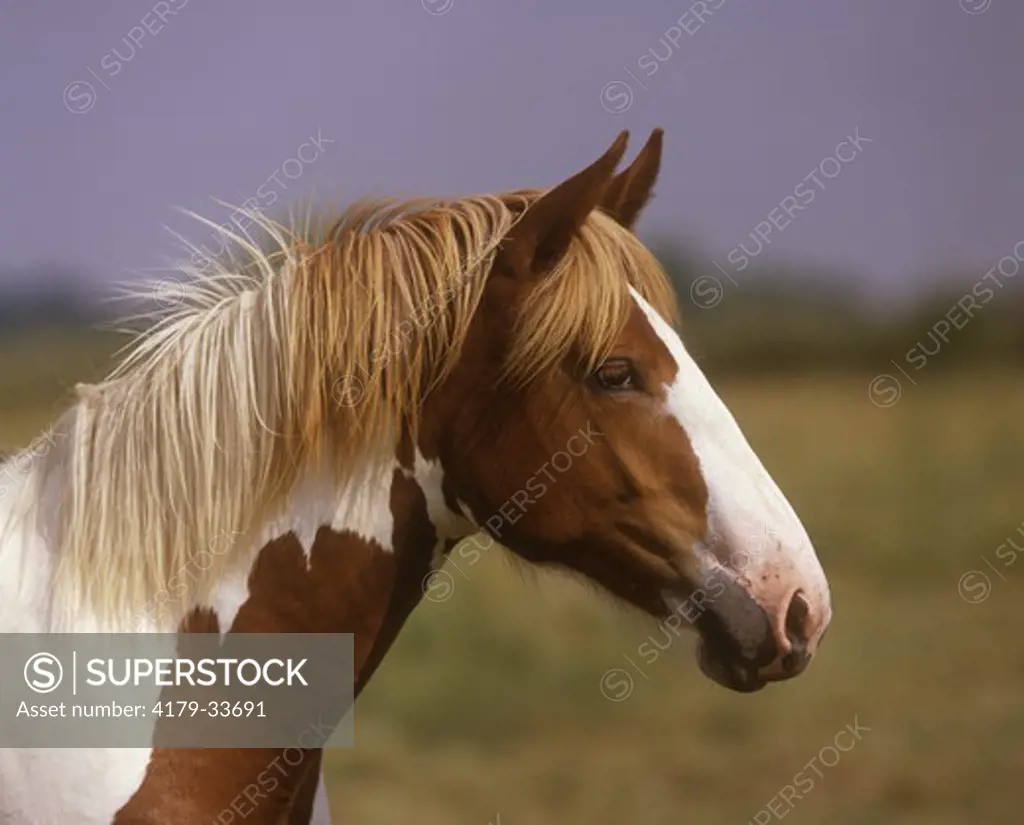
column 349, row 585
column 264, row 786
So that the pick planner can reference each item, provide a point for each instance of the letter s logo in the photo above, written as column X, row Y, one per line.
column 43, row 672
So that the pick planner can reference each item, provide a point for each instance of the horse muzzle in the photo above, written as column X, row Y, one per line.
column 744, row 644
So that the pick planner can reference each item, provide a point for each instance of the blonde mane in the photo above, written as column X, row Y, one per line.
column 316, row 351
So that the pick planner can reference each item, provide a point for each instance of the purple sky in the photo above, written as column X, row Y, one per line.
column 491, row 95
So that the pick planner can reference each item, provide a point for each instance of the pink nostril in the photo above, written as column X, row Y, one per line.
column 796, row 634
column 796, row 658
column 796, row 620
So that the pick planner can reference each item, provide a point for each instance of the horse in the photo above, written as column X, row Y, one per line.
column 338, row 413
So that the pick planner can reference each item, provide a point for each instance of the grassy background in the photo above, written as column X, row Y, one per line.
column 490, row 704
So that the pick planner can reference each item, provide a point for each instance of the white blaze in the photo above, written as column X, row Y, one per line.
column 752, row 528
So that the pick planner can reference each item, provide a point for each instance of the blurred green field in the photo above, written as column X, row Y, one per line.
column 490, row 704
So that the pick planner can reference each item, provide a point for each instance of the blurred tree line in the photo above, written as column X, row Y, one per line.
column 772, row 317
column 767, row 318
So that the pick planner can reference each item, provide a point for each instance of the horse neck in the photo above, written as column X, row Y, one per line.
column 350, row 560
column 347, row 554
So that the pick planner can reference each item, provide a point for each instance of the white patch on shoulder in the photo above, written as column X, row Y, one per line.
column 89, row 785
column 50, row 786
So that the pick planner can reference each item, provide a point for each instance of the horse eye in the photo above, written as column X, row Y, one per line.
column 616, row 376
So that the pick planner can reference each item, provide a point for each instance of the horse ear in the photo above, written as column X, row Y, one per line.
column 543, row 234
column 631, row 190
